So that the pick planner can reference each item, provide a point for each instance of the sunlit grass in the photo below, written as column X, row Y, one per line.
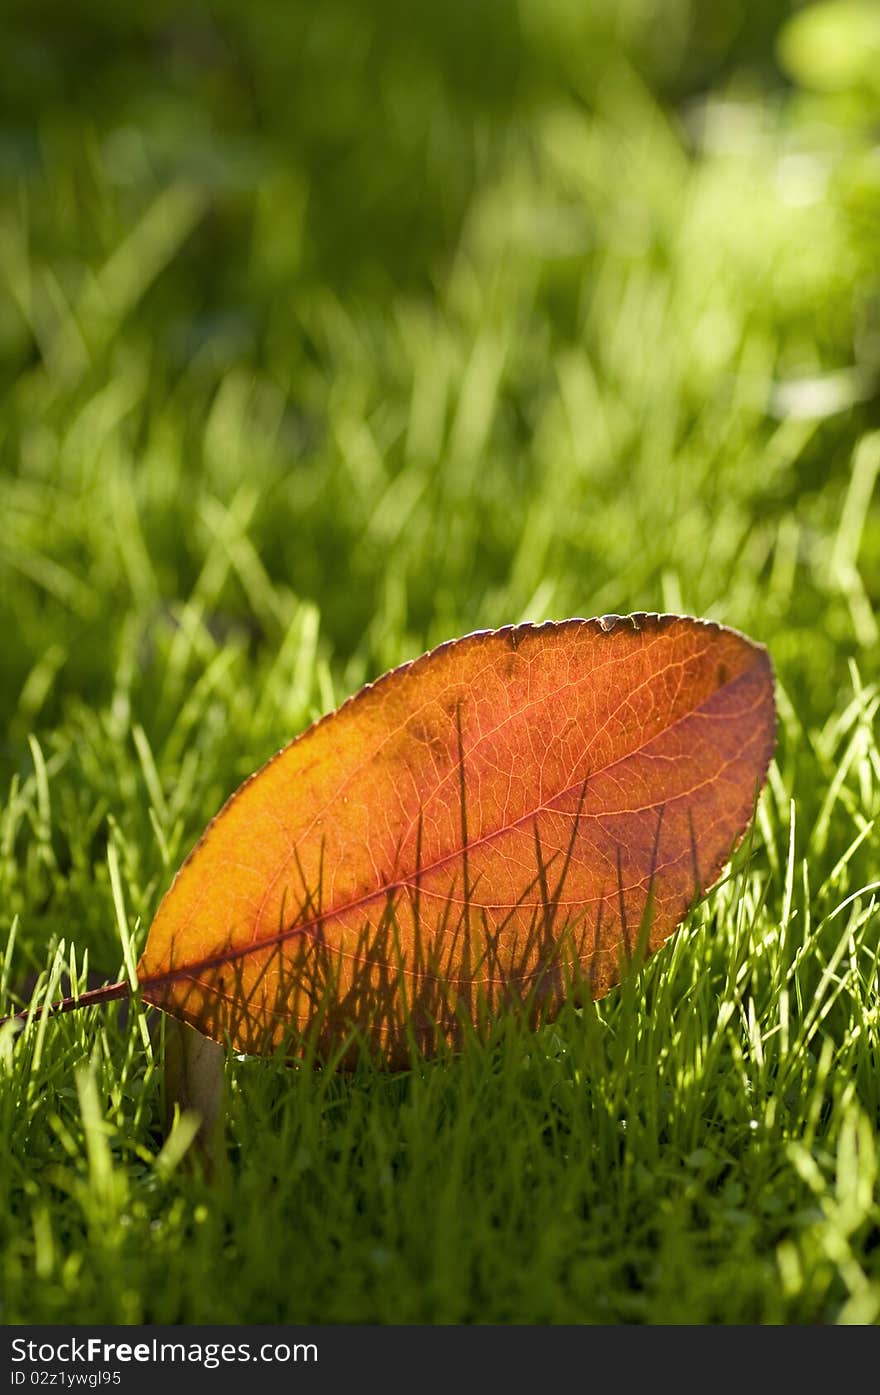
column 698, row 1147
column 642, row 376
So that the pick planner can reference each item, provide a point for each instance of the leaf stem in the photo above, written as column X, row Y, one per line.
column 109, row 993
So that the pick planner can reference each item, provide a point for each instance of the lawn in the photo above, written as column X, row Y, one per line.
column 327, row 334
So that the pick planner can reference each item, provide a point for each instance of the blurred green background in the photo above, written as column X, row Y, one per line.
column 436, row 317
column 330, row 331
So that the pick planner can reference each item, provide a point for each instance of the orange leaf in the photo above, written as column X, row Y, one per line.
column 498, row 822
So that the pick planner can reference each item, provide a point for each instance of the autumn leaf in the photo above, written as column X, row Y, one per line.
column 507, row 820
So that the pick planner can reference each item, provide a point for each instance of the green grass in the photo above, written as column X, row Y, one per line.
column 285, row 403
